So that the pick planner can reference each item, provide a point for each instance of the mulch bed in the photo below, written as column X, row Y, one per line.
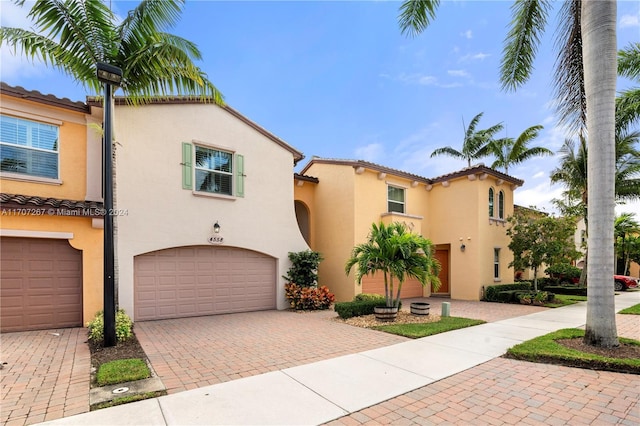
column 127, row 349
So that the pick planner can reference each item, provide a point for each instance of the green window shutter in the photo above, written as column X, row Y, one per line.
column 239, row 175
column 187, row 165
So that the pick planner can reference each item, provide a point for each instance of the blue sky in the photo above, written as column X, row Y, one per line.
column 337, row 79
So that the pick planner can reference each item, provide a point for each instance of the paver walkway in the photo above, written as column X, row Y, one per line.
column 46, row 376
column 504, row 391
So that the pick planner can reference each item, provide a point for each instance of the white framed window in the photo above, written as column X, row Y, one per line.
column 491, row 202
column 501, row 205
column 496, row 264
column 29, row 147
column 212, row 170
column 395, row 199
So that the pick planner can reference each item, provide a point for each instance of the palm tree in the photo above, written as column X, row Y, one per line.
column 475, row 143
column 587, row 61
column 397, row 254
column 509, row 151
column 628, row 102
column 625, row 226
column 74, row 35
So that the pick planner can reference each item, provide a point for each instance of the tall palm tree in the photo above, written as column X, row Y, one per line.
column 587, row 60
column 475, row 143
column 74, row 35
column 509, row 151
column 397, row 254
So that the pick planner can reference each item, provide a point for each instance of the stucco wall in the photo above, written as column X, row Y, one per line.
column 157, row 213
column 333, row 224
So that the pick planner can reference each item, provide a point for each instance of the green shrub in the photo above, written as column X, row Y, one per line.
column 304, row 268
column 563, row 272
column 308, row 298
column 124, row 326
column 364, row 297
column 358, row 308
column 510, row 296
column 569, row 290
column 491, row 292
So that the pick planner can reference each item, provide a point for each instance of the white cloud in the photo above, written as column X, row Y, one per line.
column 467, row 34
column 539, row 175
column 373, row 152
column 627, row 21
column 425, row 80
column 539, row 196
column 458, row 73
column 474, row 57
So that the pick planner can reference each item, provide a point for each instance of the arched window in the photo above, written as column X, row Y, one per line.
column 490, row 202
column 501, row 205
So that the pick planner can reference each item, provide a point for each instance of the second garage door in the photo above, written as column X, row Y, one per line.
column 202, row 280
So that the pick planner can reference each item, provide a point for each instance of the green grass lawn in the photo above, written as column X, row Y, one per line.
column 632, row 310
column 123, row 370
column 564, row 300
column 546, row 349
column 418, row 330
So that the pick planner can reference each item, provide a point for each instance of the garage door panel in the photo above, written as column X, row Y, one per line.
column 202, row 280
column 40, row 284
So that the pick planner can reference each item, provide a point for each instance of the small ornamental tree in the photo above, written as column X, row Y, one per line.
column 398, row 254
column 540, row 239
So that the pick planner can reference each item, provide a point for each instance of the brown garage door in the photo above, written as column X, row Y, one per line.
column 375, row 284
column 40, row 284
column 202, row 280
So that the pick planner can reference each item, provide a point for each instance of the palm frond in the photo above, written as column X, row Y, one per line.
column 416, row 15
column 568, row 77
column 522, row 41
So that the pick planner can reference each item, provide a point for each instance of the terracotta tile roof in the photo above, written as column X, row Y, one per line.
column 478, row 169
column 298, row 176
column 28, row 204
column 366, row 165
column 34, row 95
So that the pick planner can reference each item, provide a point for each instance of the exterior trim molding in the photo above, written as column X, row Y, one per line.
column 36, row 234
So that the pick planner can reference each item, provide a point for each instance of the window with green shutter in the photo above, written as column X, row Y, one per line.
column 210, row 170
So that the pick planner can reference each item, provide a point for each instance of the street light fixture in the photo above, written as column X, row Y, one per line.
column 111, row 76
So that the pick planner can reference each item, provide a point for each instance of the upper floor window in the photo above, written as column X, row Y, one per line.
column 490, row 202
column 501, row 205
column 29, row 147
column 211, row 170
column 395, row 199
column 214, row 171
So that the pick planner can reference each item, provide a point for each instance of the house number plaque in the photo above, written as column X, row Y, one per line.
column 216, row 239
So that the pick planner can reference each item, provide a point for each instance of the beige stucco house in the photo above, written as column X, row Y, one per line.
column 205, row 212
column 463, row 213
column 50, row 201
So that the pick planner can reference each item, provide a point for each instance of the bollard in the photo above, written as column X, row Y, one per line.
column 446, row 306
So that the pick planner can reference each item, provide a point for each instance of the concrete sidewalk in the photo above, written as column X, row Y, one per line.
column 323, row 391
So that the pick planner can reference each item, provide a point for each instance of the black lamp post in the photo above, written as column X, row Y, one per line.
column 110, row 76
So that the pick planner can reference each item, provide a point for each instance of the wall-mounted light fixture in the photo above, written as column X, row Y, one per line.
column 216, row 227
column 463, row 247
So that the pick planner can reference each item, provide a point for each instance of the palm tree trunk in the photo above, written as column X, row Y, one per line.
column 600, row 55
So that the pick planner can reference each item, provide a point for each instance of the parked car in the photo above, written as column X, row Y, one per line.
column 623, row 282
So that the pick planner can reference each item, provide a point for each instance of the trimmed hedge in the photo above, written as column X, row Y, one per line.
column 492, row 291
column 358, row 308
column 569, row 290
